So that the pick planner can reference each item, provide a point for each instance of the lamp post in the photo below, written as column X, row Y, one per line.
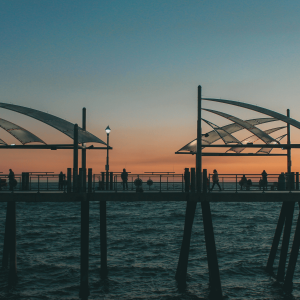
column 107, row 129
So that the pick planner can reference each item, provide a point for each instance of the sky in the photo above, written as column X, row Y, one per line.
column 135, row 66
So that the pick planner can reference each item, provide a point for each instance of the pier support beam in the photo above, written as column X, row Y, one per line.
column 12, row 233
column 84, row 253
column 5, row 256
column 288, row 282
column 187, row 232
column 212, row 259
column 103, row 240
column 285, row 240
column 276, row 238
column 10, row 243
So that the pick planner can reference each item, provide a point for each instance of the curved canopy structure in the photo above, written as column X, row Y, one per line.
column 268, row 150
column 230, row 128
column 256, row 131
column 224, row 135
column 254, row 138
column 60, row 124
column 21, row 134
column 259, row 109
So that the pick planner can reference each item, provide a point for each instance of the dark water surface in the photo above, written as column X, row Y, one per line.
column 144, row 242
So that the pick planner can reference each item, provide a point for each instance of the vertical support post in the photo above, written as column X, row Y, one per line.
column 6, row 238
column 103, row 240
column 193, row 179
column 79, row 183
column 75, row 159
column 288, row 282
column 69, row 184
column 83, row 152
column 289, row 161
column 285, row 240
column 84, row 249
column 186, row 180
column 106, row 181
column 187, row 232
column 111, row 181
column 160, row 183
column 12, row 275
column 204, row 181
column 103, row 180
column 276, row 238
column 212, row 259
column 297, row 181
column 199, row 143
column 90, row 180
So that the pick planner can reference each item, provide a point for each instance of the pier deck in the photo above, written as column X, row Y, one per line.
column 224, row 196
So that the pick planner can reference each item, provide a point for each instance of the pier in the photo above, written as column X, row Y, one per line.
column 192, row 187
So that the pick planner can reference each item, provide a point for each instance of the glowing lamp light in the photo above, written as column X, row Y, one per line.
column 108, row 130
column 13, row 144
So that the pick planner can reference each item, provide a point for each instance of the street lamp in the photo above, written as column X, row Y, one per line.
column 107, row 129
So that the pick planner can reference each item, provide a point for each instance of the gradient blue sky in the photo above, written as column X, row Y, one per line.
column 136, row 65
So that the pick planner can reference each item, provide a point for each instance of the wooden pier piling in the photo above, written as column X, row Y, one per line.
column 187, row 232
column 276, row 238
column 84, row 253
column 288, row 282
column 111, row 181
column 12, row 233
column 193, row 180
column 5, row 256
column 69, row 180
column 103, row 240
column 212, row 259
column 285, row 240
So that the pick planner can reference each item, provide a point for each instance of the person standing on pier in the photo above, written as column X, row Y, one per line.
column 124, row 177
column 61, row 178
column 11, row 179
column 215, row 179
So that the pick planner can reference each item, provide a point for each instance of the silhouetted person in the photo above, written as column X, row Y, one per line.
column 215, row 179
column 249, row 183
column 264, row 180
column 61, row 179
column 124, row 177
column 281, row 182
column 11, row 179
column 243, row 182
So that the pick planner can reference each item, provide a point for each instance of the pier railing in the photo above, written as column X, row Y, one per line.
column 157, row 182
column 255, row 182
column 50, row 182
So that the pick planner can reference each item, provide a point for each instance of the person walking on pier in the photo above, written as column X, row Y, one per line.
column 61, row 179
column 215, row 179
column 124, row 177
column 11, row 179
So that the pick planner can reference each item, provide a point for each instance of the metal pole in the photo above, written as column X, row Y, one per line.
column 199, row 145
column 83, row 152
column 289, row 162
column 107, row 164
column 75, row 158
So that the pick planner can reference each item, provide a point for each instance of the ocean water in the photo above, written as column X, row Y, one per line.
column 144, row 242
